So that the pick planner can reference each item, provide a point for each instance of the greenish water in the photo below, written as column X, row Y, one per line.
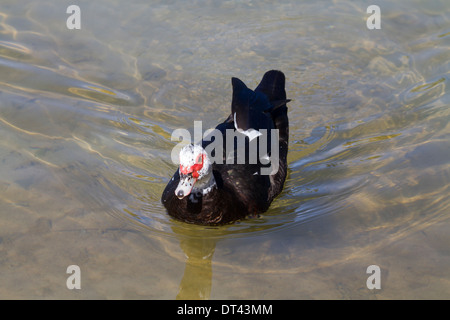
column 86, row 118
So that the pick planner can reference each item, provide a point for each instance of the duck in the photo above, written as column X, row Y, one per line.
column 245, row 170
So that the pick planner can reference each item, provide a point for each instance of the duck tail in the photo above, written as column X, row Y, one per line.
column 273, row 86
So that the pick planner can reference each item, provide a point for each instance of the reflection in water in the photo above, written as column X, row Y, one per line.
column 197, row 278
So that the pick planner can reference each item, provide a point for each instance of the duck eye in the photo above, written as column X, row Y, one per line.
column 200, row 160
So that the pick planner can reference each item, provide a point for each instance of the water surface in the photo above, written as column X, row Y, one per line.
column 86, row 118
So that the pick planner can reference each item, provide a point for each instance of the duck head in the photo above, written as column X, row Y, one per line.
column 195, row 171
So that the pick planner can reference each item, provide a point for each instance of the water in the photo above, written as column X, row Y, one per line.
column 86, row 118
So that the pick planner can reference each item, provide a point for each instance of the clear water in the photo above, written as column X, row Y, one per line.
column 86, row 118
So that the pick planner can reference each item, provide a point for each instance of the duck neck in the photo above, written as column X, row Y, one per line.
column 205, row 184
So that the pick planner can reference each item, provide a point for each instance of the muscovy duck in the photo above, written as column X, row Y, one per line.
column 209, row 192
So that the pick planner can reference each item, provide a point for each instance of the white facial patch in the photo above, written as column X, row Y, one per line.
column 189, row 155
column 185, row 186
column 194, row 166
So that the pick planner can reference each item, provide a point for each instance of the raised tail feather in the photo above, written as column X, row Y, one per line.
column 273, row 86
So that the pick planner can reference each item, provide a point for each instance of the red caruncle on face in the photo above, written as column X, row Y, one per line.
column 194, row 168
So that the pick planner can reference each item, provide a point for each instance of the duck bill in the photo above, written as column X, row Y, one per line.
column 185, row 186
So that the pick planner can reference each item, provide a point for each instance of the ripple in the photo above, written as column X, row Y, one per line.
column 45, row 81
column 14, row 50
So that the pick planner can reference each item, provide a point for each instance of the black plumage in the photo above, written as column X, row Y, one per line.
column 240, row 189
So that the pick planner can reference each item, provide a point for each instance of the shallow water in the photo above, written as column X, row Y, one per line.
column 86, row 118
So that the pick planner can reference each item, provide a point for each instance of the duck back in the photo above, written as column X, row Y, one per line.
column 240, row 188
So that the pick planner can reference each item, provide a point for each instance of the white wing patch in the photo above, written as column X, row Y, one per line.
column 250, row 133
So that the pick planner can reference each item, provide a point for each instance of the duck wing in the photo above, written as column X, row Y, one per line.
column 249, row 110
